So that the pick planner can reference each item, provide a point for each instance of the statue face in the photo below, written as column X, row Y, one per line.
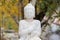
column 29, row 14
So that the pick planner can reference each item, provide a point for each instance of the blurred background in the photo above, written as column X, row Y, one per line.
column 11, row 12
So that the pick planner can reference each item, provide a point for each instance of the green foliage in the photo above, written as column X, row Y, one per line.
column 13, row 2
column 50, row 4
column 10, row 26
column 3, row 2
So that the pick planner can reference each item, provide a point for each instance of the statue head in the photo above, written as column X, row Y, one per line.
column 29, row 11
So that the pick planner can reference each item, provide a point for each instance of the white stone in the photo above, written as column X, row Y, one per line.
column 29, row 11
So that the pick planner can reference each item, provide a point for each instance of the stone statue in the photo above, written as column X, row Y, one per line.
column 29, row 28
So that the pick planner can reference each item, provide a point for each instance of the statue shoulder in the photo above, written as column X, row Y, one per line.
column 21, row 21
column 37, row 21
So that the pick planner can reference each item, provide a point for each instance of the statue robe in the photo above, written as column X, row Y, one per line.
column 29, row 30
